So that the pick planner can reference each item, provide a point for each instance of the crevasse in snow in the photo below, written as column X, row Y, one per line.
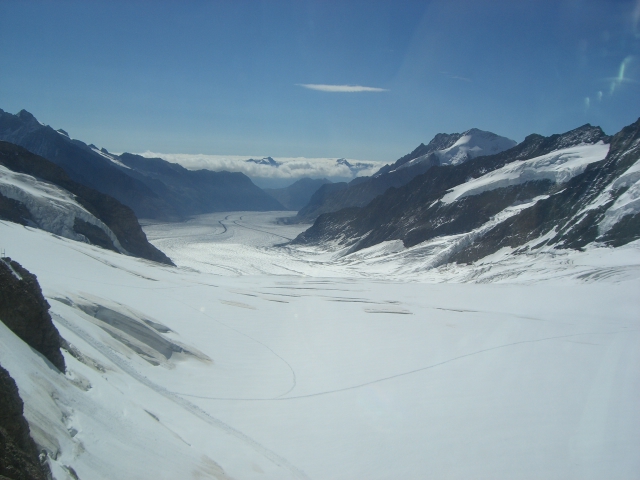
column 53, row 208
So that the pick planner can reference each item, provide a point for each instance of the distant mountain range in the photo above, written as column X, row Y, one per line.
column 298, row 194
column 264, row 161
column 565, row 191
column 152, row 188
column 444, row 149
column 461, row 197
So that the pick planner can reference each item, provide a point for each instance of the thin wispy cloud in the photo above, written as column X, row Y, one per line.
column 340, row 88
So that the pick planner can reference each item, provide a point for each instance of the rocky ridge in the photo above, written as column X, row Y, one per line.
column 442, row 149
column 597, row 204
column 25, row 311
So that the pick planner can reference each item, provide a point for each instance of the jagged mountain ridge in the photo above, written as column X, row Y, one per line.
column 155, row 189
column 83, row 165
column 531, row 204
column 118, row 219
column 443, row 149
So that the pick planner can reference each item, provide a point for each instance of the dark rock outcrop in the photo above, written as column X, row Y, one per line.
column 14, row 211
column 18, row 453
column 118, row 217
column 268, row 161
column 25, row 311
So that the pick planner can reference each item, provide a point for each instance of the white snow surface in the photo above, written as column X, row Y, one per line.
column 473, row 143
column 315, row 364
column 626, row 204
column 558, row 166
column 53, row 208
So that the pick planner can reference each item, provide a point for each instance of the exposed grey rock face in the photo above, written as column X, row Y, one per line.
column 15, row 211
column 18, row 453
column 569, row 214
column 26, row 312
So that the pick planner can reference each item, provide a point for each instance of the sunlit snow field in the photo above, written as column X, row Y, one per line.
column 306, row 363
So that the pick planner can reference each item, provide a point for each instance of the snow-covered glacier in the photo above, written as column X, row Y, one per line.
column 292, row 362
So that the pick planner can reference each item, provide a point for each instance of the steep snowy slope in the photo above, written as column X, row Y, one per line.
column 329, row 369
column 444, row 149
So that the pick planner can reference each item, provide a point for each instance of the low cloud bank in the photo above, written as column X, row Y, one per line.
column 292, row 168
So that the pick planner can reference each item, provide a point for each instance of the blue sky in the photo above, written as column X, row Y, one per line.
column 226, row 77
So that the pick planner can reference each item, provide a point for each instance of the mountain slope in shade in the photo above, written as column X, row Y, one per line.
column 36, row 192
column 566, row 190
column 152, row 188
column 298, row 194
column 193, row 192
column 83, row 164
column 444, row 149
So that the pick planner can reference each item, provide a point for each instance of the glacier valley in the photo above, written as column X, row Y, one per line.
column 257, row 359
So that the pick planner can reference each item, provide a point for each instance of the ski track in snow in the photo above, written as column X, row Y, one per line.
column 293, row 373
column 404, row 374
column 194, row 409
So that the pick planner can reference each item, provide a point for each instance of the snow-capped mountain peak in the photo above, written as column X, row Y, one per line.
column 472, row 143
